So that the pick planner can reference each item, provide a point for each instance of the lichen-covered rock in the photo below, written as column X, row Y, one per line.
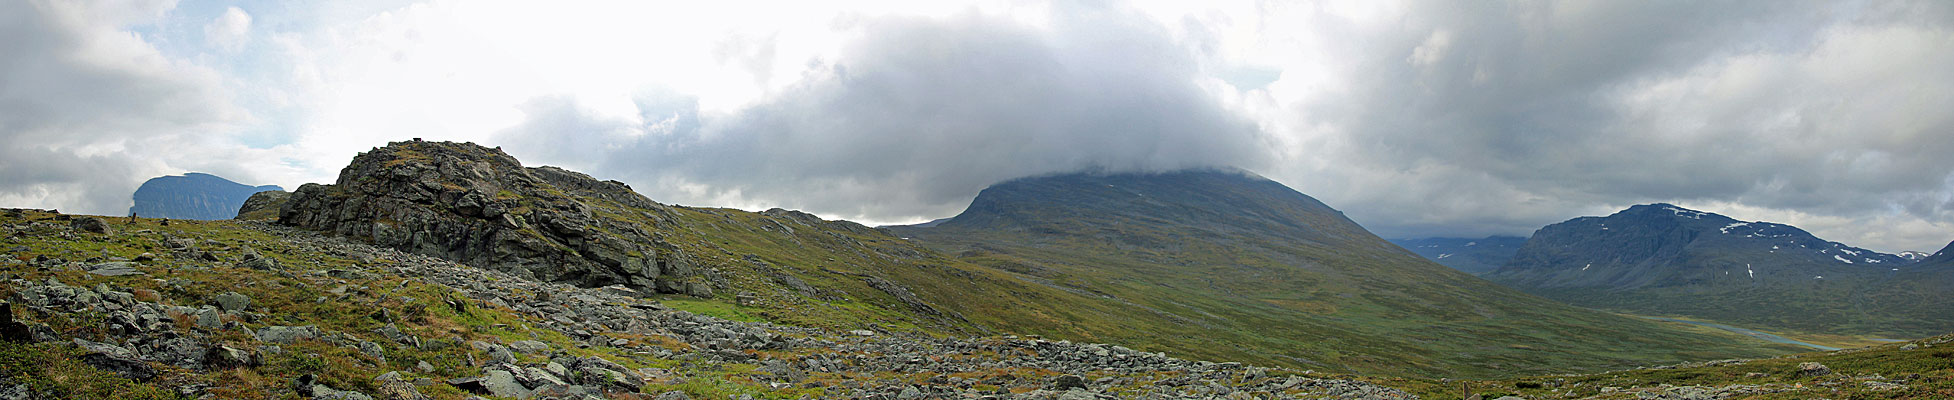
column 112, row 358
column 479, row 206
column 263, row 205
column 91, row 225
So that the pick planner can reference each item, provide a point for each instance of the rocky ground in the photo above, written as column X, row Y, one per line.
column 155, row 321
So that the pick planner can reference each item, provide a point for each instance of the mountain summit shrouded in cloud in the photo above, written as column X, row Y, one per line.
column 1421, row 118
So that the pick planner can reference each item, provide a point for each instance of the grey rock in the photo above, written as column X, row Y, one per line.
column 232, row 302
column 261, row 263
column 12, row 391
column 266, row 201
column 91, row 225
column 673, row 395
column 288, row 334
column 1813, row 369
column 1065, row 382
column 374, row 350
column 391, row 386
column 115, row 268
column 112, row 358
column 222, row 356
column 503, row 384
column 180, row 351
column 1077, row 394
column 308, row 386
column 529, row 347
column 209, row 319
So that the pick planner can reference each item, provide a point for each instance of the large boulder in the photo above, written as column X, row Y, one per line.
column 91, row 225
column 479, row 206
column 112, row 358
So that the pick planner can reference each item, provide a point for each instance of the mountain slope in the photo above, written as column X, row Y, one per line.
column 479, row 206
column 1663, row 259
column 1943, row 257
column 1242, row 267
column 193, row 195
column 1472, row 256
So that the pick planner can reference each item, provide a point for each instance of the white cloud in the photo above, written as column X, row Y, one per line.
column 1418, row 118
column 90, row 109
column 230, row 30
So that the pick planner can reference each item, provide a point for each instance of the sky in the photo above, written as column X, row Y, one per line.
column 1416, row 118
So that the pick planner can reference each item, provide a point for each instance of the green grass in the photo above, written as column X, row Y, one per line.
column 1934, row 367
column 1258, row 273
column 718, row 309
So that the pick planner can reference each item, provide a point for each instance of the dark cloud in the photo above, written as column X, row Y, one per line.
column 1449, row 119
column 1468, row 119
column 916, row 116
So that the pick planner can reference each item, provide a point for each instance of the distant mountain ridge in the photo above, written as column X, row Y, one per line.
column 1667, row 260
column 1231, row 265
column 1469, row 255
column 194, row 195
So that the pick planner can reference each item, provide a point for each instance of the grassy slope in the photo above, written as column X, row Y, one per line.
column 1856, row 302
column 1333, row 298
column 291, row 299
column 287, row 298
column 1926, row 371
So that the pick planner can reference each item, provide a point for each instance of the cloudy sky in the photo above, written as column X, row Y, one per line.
column 1416, row 118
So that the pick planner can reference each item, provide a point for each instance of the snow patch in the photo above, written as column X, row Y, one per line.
column 1753, row 273
column 1586, row 268
column 1841, row 259
column 1444, row 255
column 1726, row 228
column 1686, row 213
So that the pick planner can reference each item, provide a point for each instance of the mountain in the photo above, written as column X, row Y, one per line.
column 1234, row 266
column 1943, row 257
column 1472, row 256
column 1667, row 260
column 193, row 195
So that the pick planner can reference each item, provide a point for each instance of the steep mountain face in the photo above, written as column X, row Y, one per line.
column 193, row 195
column 1663, row 259
column 1472, row 256
column 1241, row 267
column 1944, row 256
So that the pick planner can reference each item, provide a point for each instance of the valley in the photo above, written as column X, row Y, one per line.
column 448, row 270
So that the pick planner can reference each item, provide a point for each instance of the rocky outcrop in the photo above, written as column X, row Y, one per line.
column 480, row 206
column 263, row 205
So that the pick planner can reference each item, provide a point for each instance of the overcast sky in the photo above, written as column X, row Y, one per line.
column 1416, row 118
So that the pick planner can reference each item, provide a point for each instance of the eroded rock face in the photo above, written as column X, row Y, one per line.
column 479, row 206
